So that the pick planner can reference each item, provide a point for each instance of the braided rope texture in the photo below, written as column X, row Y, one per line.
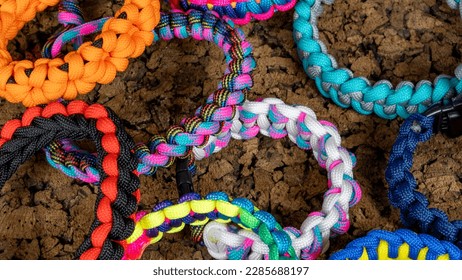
column 240, row 12
column 401, row 244
column 216, row 2
column 168, row 217
column 403, row 188
column 119, row 193
column 272, row 117
column 346, row 90
column 69, row 15
column 31, row 83
column 211, row 124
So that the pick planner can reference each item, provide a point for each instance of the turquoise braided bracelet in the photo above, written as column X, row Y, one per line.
column 346, row 90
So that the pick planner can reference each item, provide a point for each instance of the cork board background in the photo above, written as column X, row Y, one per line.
column 45, row 215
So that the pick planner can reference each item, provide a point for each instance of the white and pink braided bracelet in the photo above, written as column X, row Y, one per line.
column 272, row 117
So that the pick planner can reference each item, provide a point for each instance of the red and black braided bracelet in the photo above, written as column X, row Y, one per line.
column 118, row 195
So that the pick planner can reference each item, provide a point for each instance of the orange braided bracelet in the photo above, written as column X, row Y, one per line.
column 124, row 36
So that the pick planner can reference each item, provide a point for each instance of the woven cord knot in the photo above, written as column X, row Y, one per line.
column 347, row 90
column 209, row 129
column 386, row 245
column 118, row 196
column 45, row 80
column 403, row 192
column 240, row 12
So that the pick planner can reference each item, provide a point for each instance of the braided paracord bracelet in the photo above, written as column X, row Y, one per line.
column 124, row 36
column 119, row 193
column 240, row 12
column 168, row 217
column 401, row 244
column 275, row 119
column 403, row 188
column 345, row 90
column 210, row 127
column 271, row 117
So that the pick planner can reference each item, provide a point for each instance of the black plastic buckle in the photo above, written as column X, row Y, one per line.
column 184, row 182
column 184, row 185
column 448, row 117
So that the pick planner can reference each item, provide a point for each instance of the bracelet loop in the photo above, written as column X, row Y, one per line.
column 403, row 192
column 119, row 193
column 210, row 127
column 272, row 117
column 346, row 90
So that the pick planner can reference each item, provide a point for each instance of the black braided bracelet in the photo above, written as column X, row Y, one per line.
column 118, row 195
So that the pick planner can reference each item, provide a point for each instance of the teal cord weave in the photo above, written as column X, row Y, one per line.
column 346, row 90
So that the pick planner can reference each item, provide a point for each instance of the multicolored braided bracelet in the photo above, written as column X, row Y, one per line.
column 403, row 189
column 257, row 131
column 402, row 244
column 168, row 217
column 32, row 83
column 346, row 90
column 210, row 127
column 118, row 195
column 271, row 117
column 240, row 12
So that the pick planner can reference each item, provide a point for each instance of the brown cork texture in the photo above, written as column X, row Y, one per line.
column 45, row 215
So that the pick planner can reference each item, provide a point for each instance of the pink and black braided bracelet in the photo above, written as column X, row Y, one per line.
column 210, row 127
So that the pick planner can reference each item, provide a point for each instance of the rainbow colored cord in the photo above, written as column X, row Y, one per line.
column 191, row 209
column 210, row 127
column 240, row 12
column 69, row 15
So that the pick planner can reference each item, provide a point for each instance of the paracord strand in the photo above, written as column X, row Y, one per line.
column 454, row 4
column 306, row 131
column 273, row 118
column 251, row 119
column 119, row 193
column 168, row 217
column 403, row 189
column 210, row 127
column 346, row 90
column 216, row 2
column 402, row 244
column 56, row 43
column 69, row 15
column 124, row 36
column 240, row 13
